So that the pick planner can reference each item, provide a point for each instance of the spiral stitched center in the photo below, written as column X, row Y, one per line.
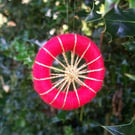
column 71, row 73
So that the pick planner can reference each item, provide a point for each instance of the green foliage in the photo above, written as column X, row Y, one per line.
column 68, row 131
column 130, row 76
column 24, row 50
column 109, row 4
column 27, row 26
column 93, row 16
column 118, row 22
column 125, row 129
column 131, row 3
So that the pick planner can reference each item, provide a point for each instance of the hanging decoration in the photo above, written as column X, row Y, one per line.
column 68, row 71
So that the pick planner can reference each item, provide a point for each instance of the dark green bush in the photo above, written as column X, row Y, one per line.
column 27, row 26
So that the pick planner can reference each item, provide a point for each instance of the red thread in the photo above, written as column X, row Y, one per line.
column 92, row 83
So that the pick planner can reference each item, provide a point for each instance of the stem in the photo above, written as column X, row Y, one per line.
column 107, row 122
column 81, row 113
column 2, row 81
column 101, row 38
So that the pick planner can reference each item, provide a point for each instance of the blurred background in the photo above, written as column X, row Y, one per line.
column 25, row 25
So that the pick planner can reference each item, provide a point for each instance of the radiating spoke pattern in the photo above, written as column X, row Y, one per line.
column 71, row 74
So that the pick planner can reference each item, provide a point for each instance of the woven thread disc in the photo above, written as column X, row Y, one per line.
column 75, row 83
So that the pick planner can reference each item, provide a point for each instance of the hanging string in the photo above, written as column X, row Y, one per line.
column 66, row 2
column 67, row 11
column 67, row 14
column 75, row 18
column 74, row 6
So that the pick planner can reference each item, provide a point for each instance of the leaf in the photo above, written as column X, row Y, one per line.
column 120, row 23
column 109, row 4
column 131, row 3
column 129, row 45
column 130, row 76
column 125, row 129
column 93, row 16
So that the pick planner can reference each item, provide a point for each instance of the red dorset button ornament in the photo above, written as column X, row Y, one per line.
column 68, row 71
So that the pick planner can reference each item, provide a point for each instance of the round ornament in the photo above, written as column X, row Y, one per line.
column 68, row 71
